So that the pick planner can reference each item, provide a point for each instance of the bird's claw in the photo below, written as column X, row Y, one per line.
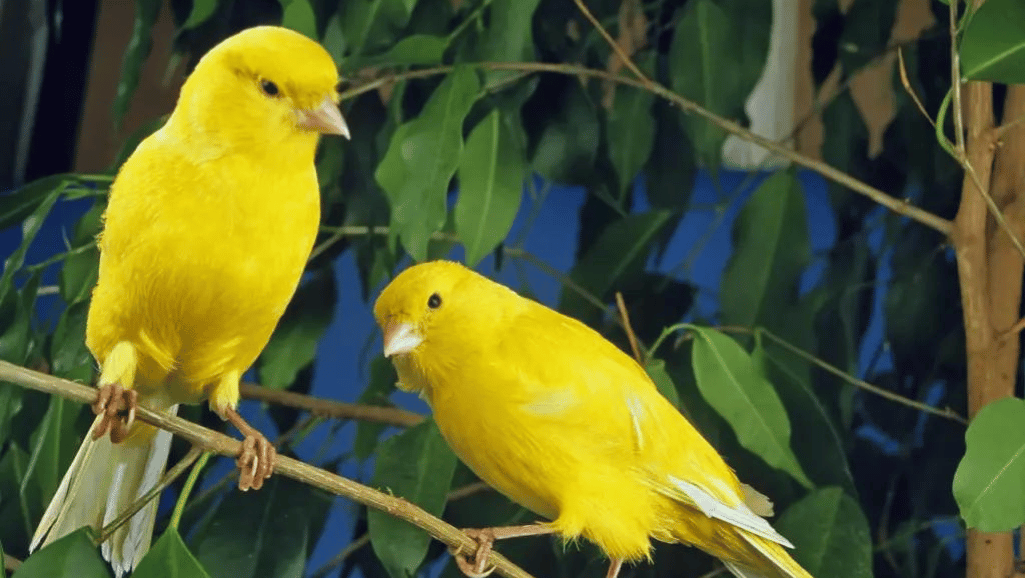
column 111, row 400
column 255, row 462
column 478, row 568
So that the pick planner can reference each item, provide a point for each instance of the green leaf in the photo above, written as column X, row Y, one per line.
column 619, row 253
column 491, row 173
column 670, row 169
column 421, row 159
column 10, row 405
column 54, row 444
column 830, row 534
column 630, row 133
column 866, row 32
column 509, row 36
column 378, row 392
column 656, row 369
column 261, row 534
column 294, row 343
column 814, row 438
column 710, row 40
column 16, row 526
column 18, row 310
column 566, row 150
column 771, row 250
column 413, row 49
column 728, row 380
column 29, row 229
column 201, row 11
column 169, row 557
column 988, row 482
column 73, row 555
column 993, row 47
column 136, row 53
column 371, row 24
column 299, row 16
column 69, row 356
column 416, row 465
column 79, row 274
column 18, row 205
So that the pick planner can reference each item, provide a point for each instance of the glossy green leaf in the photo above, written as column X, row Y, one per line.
column 988, row 483
column 728, row 380
column 566, row 150
column 830, row 534
column 79, row 274
column 10, row 404
column 619, row 252
column 656, row 369
column 993, row 47
column 169, row 557
column 413, row 49
column 491, row 173
column 709, row 40
column 416, row 465
column 136, row 53
column 54, row 443
column 299, row 16
column 29, row 229
column 371, row 24
column 771, row 250
column 201, row 11
column 18, row 205
column 630, row 134
column 69, row 356
column 814, row 437
column 17, row 312
column 73, row 555
column 294, row 343
column 421, row 159
column 509, row 36
column 378, row 392
column 264, row 534
column 671, row 168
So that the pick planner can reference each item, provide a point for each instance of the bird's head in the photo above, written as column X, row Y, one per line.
column 262, row 87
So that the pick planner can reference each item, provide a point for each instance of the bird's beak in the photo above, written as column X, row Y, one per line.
column 325, row 119
column 400, row 338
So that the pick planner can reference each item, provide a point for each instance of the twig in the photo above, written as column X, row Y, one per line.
column 896, row 205
column 329, row 408
column 627, row 61
column 955, row 80
column 1013, row 331
column 212, row 441
column 944, row 413
column 168, row 478
column 625, row 317
column 907, row 87
column 467, row 491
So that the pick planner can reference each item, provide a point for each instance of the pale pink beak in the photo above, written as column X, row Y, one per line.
column 400, row 338
column 325, row 119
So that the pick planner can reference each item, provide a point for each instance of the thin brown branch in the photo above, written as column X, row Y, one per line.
column 212, row 441
column 907, row 87
column 467, row 491
column 625, row 318
column 896, row 205
column 623, row 56
column 329, row 408
column 166, row 480
column 341, row 556
column 1013, row 331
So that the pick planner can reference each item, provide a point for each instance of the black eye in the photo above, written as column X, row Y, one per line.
column 269, row 88
column 434, row 301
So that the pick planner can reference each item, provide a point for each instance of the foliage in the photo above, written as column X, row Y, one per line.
column 441, row 154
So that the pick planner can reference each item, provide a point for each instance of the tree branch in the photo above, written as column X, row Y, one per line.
column 221, row 444
column 899, row 206
column 330, row 408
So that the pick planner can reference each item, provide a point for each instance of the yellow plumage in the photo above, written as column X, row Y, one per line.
column 209, row 225
column 561, row 421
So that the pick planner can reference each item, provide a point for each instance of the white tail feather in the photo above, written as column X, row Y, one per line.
column 102, row 481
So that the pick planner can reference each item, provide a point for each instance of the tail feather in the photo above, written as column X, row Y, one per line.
column 782, row 563
column 102, row 481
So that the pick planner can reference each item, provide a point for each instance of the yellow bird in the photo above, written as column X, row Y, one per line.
column 564, row 423
column 209, row 225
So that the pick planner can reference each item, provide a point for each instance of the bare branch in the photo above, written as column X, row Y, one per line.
column 212, row 441
column 329, row 408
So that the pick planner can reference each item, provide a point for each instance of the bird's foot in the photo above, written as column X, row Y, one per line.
column 111, row 401
column 478, row 567
column 256, row 462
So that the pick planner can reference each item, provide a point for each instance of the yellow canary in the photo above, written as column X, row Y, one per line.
column 564, row 423
column 209, row 225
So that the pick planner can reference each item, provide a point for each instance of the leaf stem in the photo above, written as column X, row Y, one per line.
column 179, row 507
